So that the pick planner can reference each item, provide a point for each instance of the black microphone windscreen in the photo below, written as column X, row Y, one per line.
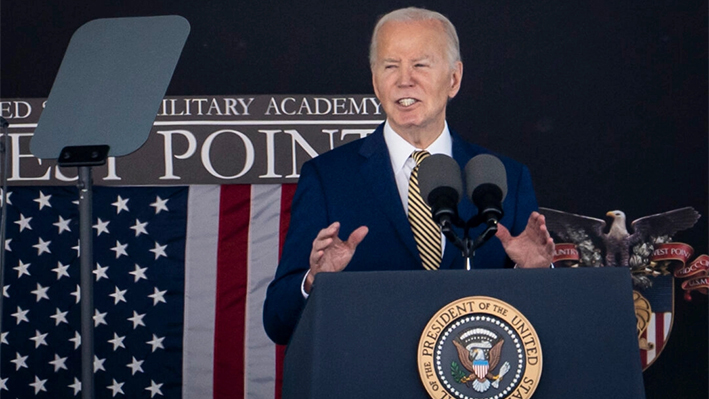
column 439, row 170
column 485, row 168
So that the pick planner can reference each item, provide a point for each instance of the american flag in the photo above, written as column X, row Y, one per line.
column 180, row 278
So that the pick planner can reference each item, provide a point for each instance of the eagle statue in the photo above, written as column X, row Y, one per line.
column 618, row 243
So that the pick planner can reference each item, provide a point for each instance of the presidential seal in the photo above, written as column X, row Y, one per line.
column 479, row 348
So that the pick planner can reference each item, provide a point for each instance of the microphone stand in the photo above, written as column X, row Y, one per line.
column 466, row 244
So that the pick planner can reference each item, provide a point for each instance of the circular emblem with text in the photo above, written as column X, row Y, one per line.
column 479, row 348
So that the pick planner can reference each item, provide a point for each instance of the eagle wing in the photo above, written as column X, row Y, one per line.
column 666, row 223
column 566, row 225
column 464, row 357
column 494, row 354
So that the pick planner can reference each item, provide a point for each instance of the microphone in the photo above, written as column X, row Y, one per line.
column 486, row 180
column 441, row 187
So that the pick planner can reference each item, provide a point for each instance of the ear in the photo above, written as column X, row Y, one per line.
column 456, row 78
column 374, row 83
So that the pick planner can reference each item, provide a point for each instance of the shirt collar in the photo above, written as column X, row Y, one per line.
column 400, row 150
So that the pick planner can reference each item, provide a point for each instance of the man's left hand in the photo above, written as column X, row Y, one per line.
column 533, row 248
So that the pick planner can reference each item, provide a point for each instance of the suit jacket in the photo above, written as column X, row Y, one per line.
column 354, row 184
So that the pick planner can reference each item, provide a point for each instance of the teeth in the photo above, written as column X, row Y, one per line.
column 407, row 101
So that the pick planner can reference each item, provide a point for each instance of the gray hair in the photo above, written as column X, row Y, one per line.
column 418, row 14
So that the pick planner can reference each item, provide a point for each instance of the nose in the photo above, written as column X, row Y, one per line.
column 406, row 78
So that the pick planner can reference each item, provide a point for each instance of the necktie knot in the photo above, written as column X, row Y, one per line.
column 419, row 156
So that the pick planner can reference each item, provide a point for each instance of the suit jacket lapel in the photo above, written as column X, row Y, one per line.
column 376, row 170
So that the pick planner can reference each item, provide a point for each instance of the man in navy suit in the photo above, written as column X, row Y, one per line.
column 359, row 190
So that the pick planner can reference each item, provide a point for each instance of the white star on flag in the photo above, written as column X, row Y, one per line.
column 139, row 273
column 121, row 205
column 118, row 296
column 2, row 197
column 101, row 227
column 59, row 317
column 40, row 292
column 156, row 343
column 24, row 223
column 160, row 205
column 99, row 318
column 62, row 224
column 20, row 361
column 158, row 296
column 117, row 342
column 76, row 386
column 139, row 227
column 154, row 389
column 159, row 250
column 98, row 364
column 77, row 293
column 100, row 272
column 135, row 366
column 38, row 385
column 137, row 319
column 120, row 249
column 116, row 387
column 39, row 339
column 43, row 200
column 61, row 270
column 21, row 315
column 76, row 340
column 42, row 246
column 22, row 269
column 59, row 363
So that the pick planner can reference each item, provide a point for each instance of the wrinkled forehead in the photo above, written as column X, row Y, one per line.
column 426, row 38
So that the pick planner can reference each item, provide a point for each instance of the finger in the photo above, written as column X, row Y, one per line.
column 503, row 234
column 315, row 257
column 357, row 236
column 320, row 244
column 329, row 231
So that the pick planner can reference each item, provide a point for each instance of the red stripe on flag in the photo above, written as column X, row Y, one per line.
column 287, row 193
column 659, row 332
column 232, row 267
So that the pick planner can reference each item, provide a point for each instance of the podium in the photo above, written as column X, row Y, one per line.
column 359, row 332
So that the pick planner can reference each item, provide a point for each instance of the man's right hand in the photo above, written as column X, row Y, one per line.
column 330, row 253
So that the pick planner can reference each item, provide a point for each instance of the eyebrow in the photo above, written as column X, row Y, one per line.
column 419, row 59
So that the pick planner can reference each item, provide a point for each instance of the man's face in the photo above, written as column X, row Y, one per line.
column 413, row 77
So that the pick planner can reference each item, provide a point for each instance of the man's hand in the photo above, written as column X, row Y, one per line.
column 533, row 248
column 330, row 254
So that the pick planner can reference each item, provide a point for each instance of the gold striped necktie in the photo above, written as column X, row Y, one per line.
column 426, row 232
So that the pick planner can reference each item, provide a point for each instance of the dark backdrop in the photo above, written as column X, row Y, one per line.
column 604, row 100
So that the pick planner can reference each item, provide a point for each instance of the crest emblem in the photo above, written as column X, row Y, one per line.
column 649, row 252
column 479, row 347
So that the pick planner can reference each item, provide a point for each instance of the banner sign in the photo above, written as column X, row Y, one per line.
column 208, row 140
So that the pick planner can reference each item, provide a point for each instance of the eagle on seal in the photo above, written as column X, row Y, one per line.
column 618, row 241
column 474, row 360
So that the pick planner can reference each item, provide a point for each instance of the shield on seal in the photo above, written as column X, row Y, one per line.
column 654, row 309
column 480, row 367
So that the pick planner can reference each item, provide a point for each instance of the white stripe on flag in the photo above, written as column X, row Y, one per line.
column 260, row 352
column 200, row 291
column 651, row 337
column 667, row 324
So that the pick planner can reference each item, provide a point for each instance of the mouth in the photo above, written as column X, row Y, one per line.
column 406, row 102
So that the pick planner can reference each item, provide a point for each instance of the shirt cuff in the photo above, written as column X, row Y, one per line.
column 302, row 285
